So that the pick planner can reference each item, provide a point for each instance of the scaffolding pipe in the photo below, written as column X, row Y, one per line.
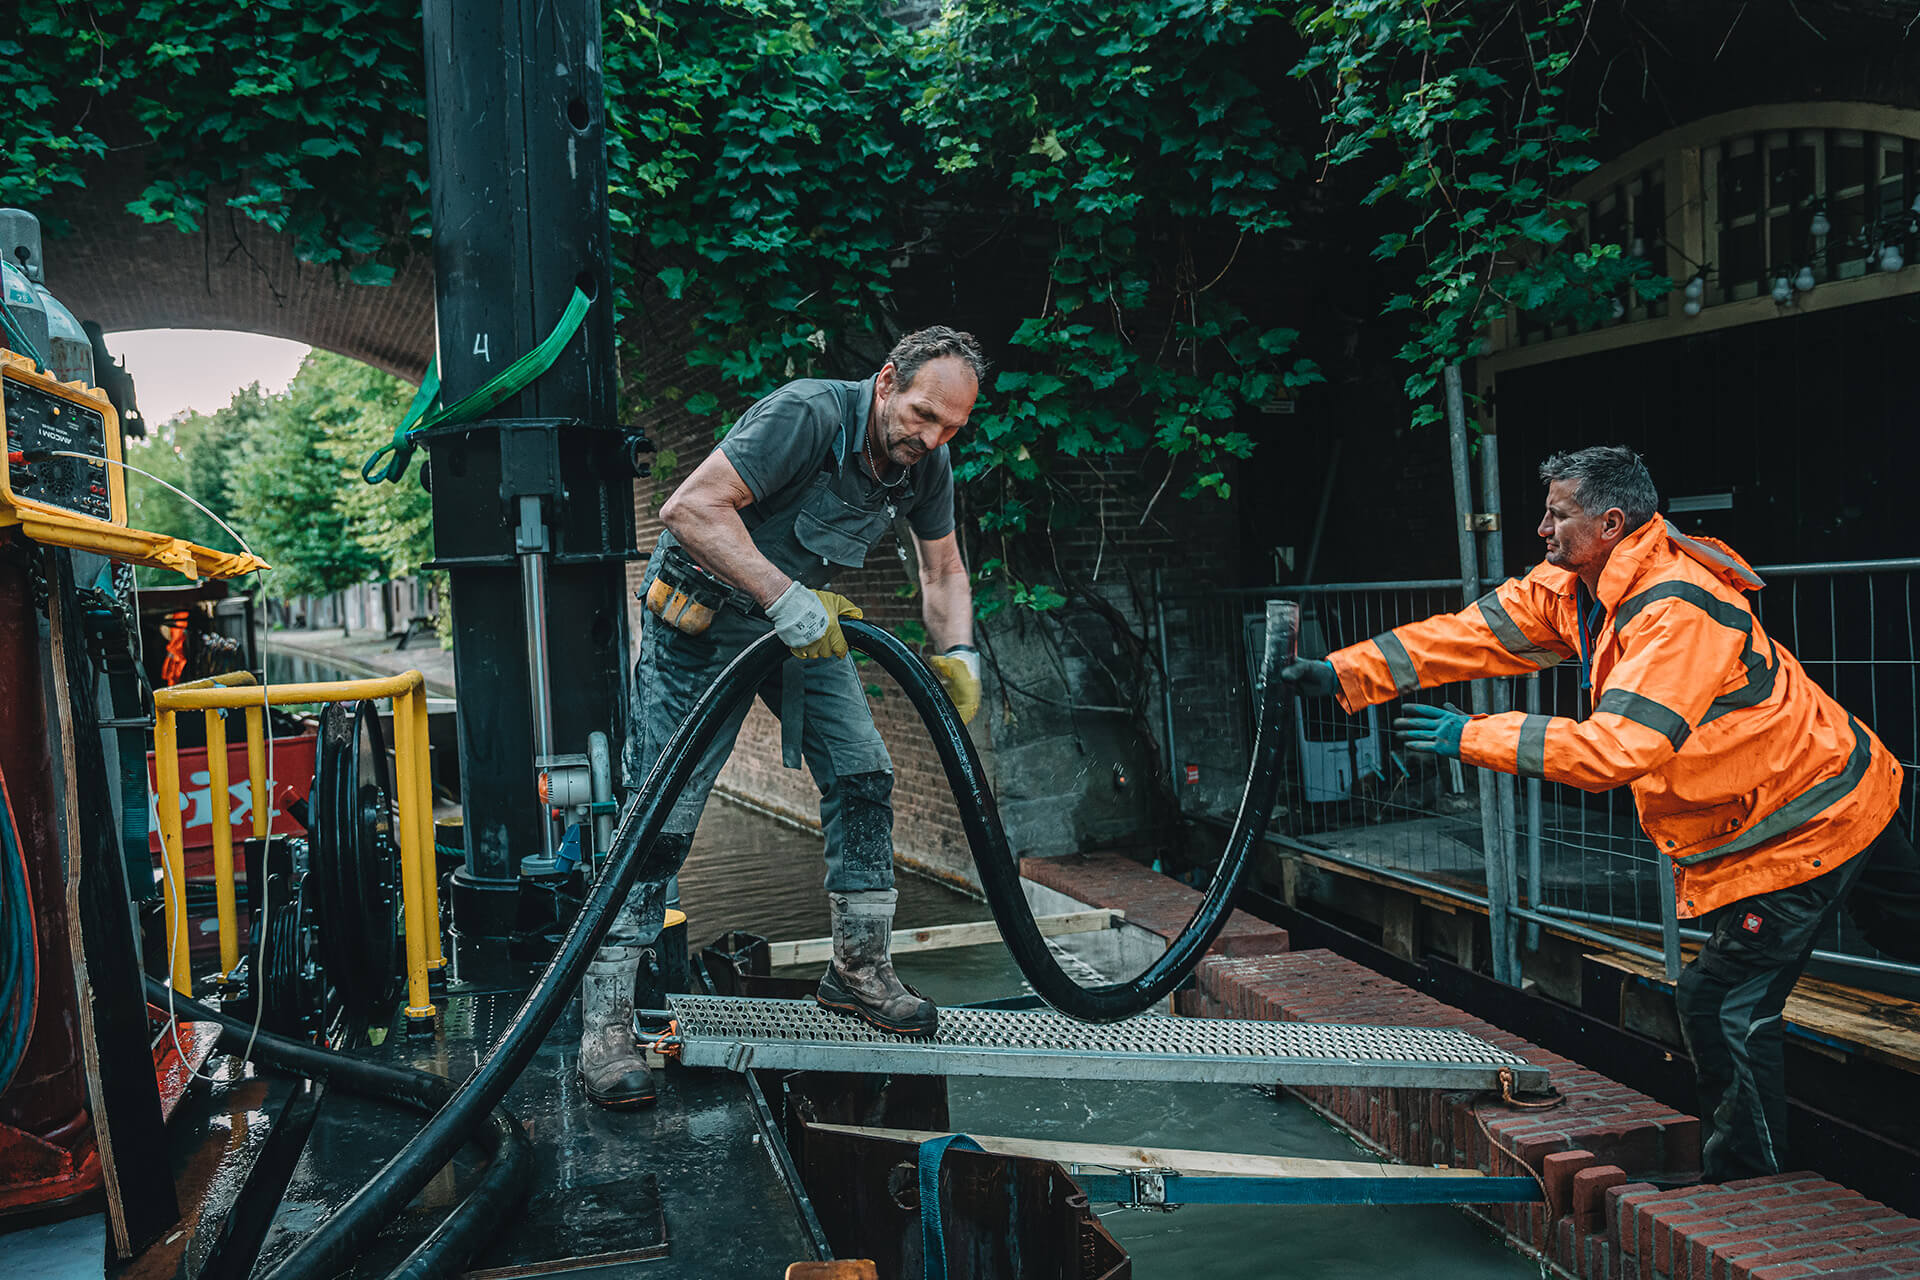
column 1492, row 842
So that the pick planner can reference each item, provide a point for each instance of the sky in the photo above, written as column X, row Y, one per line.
column 176, row 370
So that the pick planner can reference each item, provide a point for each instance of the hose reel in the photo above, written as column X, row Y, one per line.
column 333, row 899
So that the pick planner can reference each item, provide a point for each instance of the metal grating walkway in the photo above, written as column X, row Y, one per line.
column 738, row 1034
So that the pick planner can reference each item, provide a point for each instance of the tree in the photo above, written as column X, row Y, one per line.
column 197, row 453
column 287, row 490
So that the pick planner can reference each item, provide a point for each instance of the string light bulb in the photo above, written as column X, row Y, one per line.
column 1805, row 281
column 1696, row 289
column 1820, row 225
column 1691, row 306
column 1782, row 291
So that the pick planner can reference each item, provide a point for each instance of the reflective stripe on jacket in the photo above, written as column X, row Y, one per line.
column 1745, row 772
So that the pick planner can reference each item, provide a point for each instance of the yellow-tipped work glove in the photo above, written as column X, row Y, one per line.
column 959, row 672
column 809, row 621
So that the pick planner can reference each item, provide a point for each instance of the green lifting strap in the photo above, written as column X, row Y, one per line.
column 510, row 381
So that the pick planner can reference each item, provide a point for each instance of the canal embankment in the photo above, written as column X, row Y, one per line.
column 1615, row 1165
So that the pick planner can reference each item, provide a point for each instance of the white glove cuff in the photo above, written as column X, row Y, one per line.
column 967, row 654
column 797, row 616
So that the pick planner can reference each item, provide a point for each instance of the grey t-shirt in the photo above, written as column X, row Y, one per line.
column 788, row 438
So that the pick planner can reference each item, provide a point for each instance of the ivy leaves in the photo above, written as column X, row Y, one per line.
column 1460, row 109
column 304, row 117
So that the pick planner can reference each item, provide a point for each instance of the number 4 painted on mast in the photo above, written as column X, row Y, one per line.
column 480, row 347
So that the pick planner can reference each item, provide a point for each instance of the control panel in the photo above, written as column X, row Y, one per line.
column 44, row 418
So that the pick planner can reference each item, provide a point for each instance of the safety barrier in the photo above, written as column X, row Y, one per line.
column 1558, row 857
column 217, row 695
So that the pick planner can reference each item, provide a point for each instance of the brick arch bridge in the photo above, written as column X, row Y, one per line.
column 107, row 265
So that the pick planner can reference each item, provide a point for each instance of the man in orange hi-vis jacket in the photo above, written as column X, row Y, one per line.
column 1768, row 797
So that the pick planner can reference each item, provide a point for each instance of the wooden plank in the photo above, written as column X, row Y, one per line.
column 1229, row 1164
column 123, row 1095
column 1879, row 1027
column 940, row 937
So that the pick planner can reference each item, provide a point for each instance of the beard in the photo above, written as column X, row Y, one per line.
column 900, row 448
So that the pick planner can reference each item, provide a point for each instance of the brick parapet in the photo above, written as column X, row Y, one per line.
column 1156, row 903
column 1598, row 1222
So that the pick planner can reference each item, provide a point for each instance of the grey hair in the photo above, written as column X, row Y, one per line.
column 933, row 343
column 1604, row 477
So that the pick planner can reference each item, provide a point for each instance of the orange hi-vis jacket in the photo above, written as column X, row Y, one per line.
column 1746, row 773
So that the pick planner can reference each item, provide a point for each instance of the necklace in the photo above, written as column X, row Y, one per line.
column 874, row 464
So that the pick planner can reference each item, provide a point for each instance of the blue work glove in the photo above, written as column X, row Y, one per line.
column 1313, row 677
column 1434, row 730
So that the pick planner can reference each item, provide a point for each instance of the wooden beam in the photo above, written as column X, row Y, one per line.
column 1229, row 1164
column 1721, row 315
column 941, row 937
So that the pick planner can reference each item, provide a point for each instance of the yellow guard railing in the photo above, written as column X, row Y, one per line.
column 419, row 890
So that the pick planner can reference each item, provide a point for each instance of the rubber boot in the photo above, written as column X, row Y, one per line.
column 860, row 979
column 612, row 1067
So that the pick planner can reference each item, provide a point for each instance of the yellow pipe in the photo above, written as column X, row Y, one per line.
column 166, row 768
column 218, row 784
column 179, row 699
column 418, row 891
column 430, row 862
column 211, row 682
column 419, row 1002
column 257, row 770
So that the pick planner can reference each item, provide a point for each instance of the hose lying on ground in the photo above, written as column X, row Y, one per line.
column 445, row 1252
column 637, row 855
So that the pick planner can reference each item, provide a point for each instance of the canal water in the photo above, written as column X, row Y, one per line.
column 748, row 871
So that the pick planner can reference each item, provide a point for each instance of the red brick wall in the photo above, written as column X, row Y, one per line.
column 111, row 267
column 1595, row 1223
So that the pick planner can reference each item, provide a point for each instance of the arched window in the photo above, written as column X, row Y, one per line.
column 1755, row 214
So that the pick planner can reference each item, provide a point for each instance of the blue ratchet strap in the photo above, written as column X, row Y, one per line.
column 933, row 1238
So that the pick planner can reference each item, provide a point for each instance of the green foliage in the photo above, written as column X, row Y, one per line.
column 283, row 470
column 303, row 116
column 771, row 160
column 773, row 157
column 287, row 490
column 1459, row 111
column 194, row 453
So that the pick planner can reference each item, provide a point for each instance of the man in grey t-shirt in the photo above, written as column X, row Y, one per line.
column 800, row 489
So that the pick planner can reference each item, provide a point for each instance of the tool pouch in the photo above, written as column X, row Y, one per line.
column 683, row 595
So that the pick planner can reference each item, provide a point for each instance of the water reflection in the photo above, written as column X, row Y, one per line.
column 749, row 871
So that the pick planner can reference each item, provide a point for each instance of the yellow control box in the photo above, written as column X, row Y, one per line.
column 81, row 502
column 47, row 420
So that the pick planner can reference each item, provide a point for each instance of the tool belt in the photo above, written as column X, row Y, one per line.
column 686, row 597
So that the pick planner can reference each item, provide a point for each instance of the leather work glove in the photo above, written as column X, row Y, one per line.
column 1313, row 676
column 1433, row 730
column 959, row 672
column 809, row 621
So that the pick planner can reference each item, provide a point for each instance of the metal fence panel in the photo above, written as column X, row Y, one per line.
column 1580, row 859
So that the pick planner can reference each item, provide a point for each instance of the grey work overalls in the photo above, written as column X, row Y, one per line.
column 820, row 523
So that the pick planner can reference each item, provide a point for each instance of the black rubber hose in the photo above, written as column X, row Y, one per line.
column 999, row 869
column 462, row 1233
column 635, row 855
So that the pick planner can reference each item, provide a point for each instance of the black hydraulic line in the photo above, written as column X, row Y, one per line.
column 999, row 870
column 637, row 855
column 451, row 1245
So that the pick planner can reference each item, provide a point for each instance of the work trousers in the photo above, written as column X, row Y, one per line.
column 824, row 721
column 1732, row 995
